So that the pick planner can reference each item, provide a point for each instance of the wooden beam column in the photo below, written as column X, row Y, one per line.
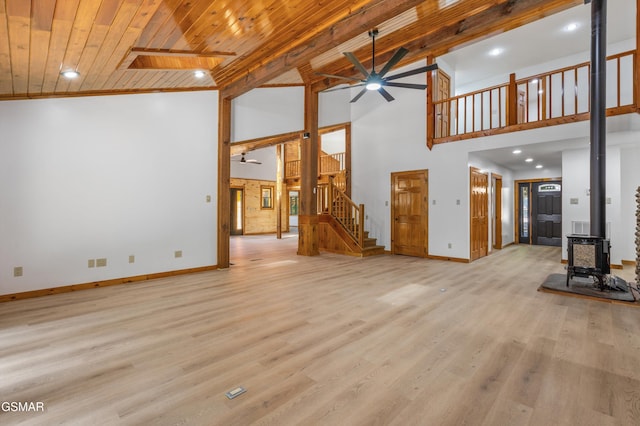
column 224, row 178
column 279, row 191
column 431, row 108
column 308, row 244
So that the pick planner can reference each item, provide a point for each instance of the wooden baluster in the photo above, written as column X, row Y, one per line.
column 330, row 196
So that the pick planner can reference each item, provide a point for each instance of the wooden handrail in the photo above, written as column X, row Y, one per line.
column 333, row 201
column 536, row 101
column 330, row 164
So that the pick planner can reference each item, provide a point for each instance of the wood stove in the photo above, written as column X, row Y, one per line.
column 588, row 257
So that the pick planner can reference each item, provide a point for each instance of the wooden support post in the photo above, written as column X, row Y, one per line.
column 224, row 179
column 308, row 240
column 512, row 101
column 279, row 191
column 431, row 108
column 347, row 159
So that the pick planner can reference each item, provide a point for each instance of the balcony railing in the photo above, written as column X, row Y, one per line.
column 539, row 100
column 330, row 164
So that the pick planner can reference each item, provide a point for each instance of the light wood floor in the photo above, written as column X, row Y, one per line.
column 328, row 340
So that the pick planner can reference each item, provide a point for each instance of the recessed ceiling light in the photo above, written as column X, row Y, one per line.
column 71, row 74
column 517, row 151
column 529, row 160
column 539, row 166
column 571, row 27
column 198, row 74
column 496, row 52
column 534, row 81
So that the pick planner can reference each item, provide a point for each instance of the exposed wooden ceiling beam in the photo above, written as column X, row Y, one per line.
column 235, row 83
column 446, row 36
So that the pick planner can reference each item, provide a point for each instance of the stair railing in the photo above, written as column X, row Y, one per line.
column 333, row 201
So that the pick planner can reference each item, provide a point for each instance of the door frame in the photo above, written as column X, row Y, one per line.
column 424, row 208
column 496, row 217
column 231, row 203
column 516, row 204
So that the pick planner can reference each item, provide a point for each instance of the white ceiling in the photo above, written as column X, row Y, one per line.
column 541, row 41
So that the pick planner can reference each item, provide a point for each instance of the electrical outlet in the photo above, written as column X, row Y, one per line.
column 91, row 263
column 17, row 271
column 208, row 198
column 132, row 259
column 450, row 245
column 433, row 202
column 457, row 202
column 177, row 254
column 101, row 262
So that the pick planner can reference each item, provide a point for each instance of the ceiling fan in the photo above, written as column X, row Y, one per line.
column 243, row 160
column 376, row 80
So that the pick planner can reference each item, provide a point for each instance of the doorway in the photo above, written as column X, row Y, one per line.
column 496, row 200
column 442, row 92
column 479, row 206
column 409, row 213
column 237, row 211
column 539, row 210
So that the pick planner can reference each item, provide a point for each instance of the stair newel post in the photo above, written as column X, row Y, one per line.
column 361, row 226
column 330, row 196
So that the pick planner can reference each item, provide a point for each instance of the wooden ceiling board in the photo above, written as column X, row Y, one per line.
column 18, row 16
column 272, row 42
column 6, row 81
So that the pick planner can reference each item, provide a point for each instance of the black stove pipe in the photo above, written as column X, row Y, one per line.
column 598, row 117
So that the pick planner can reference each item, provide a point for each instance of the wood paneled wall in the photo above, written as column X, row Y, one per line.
column 257, row 220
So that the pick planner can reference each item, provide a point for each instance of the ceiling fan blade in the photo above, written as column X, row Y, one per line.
column 406, row 85
column 393, row 61
column 338, row 76
column 359, row 95
column 413, row 72
column 342, row 88
column 253, row 162
column 352, row 58
column 386, row 94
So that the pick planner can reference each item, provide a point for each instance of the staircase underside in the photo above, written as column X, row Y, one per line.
column 335, row 239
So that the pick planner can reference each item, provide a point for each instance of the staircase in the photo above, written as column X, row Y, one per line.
column 341, row 227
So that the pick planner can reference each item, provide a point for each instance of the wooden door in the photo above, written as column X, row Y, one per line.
column 443, row 91
column 409, row 213
column 546, row 214
column 497, row 212
column 237, row 211
column 479, row 206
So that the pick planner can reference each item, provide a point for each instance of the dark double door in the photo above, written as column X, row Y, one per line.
column 540, row 213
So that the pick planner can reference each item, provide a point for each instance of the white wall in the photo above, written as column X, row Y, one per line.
column 391, row 137
column 334, row 107
column 106, row 177
column 267, row 112
column 575, row 185
column 630, row 171
column 265, row 171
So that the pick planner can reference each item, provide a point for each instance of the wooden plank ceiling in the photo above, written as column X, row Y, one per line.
column 125, row 46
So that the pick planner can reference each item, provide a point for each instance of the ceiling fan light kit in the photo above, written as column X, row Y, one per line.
column 376, row 80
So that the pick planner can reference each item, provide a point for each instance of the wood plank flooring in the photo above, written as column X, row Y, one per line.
column 326, row 340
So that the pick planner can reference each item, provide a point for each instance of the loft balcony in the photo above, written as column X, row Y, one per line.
column 551, row 98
